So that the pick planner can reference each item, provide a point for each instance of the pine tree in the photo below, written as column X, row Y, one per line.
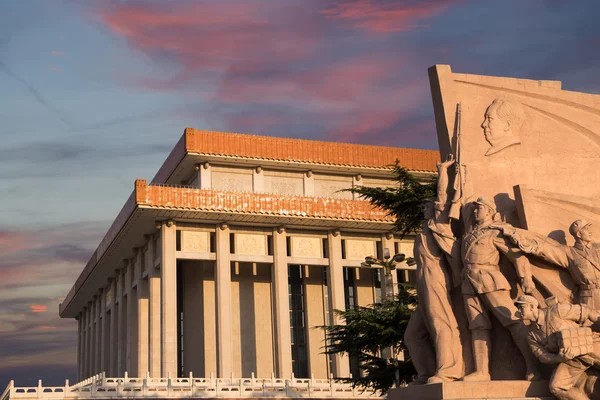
column 368, row 333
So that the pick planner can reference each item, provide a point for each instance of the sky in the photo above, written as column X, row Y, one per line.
column 95, row 93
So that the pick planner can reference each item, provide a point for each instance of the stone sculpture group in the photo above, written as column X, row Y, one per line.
column 465, row 288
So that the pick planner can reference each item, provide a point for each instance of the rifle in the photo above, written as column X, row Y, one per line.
column 458, row 178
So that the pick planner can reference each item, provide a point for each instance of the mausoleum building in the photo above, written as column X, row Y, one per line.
column 229, row 258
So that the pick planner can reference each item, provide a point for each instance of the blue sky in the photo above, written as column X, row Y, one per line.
column 96, row 93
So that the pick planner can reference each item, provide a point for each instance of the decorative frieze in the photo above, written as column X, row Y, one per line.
column 250, row 244
column 194, row 241
column 308, row 247
column 357, row 249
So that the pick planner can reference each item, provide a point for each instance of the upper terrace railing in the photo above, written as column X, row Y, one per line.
column 99, row 386
column 257, row 203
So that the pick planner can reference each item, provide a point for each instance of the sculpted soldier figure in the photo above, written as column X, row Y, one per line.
column 556, row 337
column 582, row 260
column 438, row 260
column 486, row 289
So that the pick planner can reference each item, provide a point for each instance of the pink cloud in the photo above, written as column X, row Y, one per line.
column 39, row 308
column 208, row 38
column 256, row 57
column 54, row 68
column 57, row 53
column 384, row 17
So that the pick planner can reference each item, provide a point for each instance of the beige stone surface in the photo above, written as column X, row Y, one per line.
column 195, row 241
column 252, row 340
column 559, row 150
column 308, row 247
column 335, row 281
column 533, row 149
column 281, row 310
column 498, row 390
column 363, row 282
column 357, row 249
column 250, row 244
column 315, row 316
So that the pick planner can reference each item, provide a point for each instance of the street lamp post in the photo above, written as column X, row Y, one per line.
column 388, row 264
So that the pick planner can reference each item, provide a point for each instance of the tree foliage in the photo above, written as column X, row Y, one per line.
column 374, row 336
column 404, row 202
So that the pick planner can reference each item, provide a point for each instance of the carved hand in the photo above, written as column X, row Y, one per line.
column 527, row 285
column 567, row 354
column 444, row 165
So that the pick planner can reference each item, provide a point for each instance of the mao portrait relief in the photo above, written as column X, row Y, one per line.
column 502, row 124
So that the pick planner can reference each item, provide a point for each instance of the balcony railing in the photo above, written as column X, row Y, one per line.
column 99, row 386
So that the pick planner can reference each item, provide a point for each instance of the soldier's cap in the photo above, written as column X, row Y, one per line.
column 578, row 226
column 486, row 202
column 527, row 299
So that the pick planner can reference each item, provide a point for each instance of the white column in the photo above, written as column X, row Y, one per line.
column 168, row 274
column 89, row 348
column 357, row 180
column 335, row 282
column 120, row 328
column 93, row 325
column 387, row 242
column 79, row 347
column 103, row 326
column 204, row 175
column 142, row 318
column 283, row 341
column 131, row 320
column 112, row 366
column 223, row 299
column 309, row 183
column 154, row 310
column 258, row 180
column 83, row 343
column 98, row 333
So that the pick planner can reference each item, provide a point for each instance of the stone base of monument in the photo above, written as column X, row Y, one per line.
column 496, row 390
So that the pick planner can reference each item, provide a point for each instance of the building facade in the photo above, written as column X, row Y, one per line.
column 239, row 247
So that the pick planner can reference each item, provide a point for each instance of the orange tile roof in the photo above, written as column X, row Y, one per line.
column 309, row 151
column 256, row 203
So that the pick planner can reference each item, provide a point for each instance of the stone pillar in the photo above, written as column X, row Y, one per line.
column 141, row 329
column 168, row 276
column 387, row 242
column 356, row 181
column 154, row 310
column 283, row 341
column 258, row 180
column 89, row 363
column 223, row 299
column 309, row 183
column 204, row 175
column 130, row 322
column 98, row 333
column 119, row 302
column 103, row 328
column 112, row 352
column 79, row 347
column 335, row 280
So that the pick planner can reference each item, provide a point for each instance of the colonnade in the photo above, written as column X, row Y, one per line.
column 131, row 324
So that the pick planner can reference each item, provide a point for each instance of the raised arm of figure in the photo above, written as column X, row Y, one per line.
column 519, row 260
column 543, row 247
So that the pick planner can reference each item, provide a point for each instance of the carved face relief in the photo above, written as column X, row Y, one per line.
column 428, row 210
column 585, row 234
column 525, row 312
column 482, row 213
column 494, row 128
column 502, row 124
